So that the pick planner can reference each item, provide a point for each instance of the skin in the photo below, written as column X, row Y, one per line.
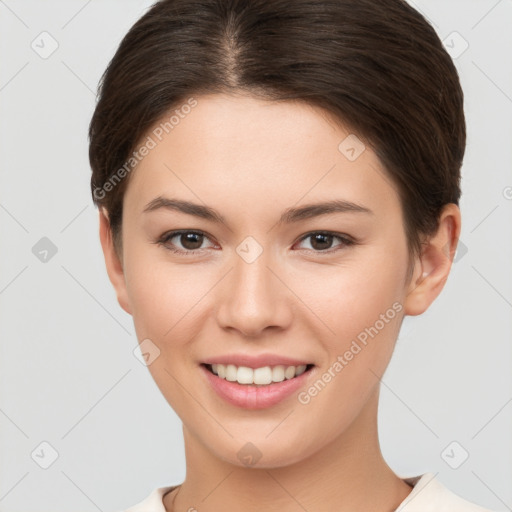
column 250, row 160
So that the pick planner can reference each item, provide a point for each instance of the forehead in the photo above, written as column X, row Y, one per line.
column 240, row 148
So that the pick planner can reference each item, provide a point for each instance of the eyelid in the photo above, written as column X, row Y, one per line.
column 346, row 241
column 164, row 239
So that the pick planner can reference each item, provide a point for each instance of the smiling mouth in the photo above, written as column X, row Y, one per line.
column 257, row 377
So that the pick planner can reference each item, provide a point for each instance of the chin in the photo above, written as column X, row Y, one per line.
column 262, row 453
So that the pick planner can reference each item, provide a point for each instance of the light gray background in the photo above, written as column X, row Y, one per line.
column 68, row 374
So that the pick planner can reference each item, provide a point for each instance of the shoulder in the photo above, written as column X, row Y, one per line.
column 154, row 502
column 430, row 495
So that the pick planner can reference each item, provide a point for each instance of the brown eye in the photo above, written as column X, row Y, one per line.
column 323, row 242
column 191, row 241
column 183, row 242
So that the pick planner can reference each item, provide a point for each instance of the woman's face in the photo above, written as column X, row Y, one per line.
column 263, row 273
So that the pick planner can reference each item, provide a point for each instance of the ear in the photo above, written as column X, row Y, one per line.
column 112, row 262
column 432, row 267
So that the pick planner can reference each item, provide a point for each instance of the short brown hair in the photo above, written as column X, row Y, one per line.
column 377, row 65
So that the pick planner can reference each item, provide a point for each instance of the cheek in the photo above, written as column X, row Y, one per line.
column 361, row 308
column 164, row 297
column 353, row 295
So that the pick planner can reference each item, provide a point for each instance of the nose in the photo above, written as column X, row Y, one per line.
column 253, row 300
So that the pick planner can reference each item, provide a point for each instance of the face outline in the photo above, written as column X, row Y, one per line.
column 251, row 160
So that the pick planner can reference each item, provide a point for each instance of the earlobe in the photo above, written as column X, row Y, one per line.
column 433, row 266
column 113, row 264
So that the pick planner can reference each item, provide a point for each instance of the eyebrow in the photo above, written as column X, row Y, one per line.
column 289, row 216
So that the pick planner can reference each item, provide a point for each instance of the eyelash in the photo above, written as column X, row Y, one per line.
column 164, row 239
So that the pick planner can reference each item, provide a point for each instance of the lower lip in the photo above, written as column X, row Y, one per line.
column 255, row 397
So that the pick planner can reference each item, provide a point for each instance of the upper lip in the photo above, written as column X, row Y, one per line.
column 255, row 361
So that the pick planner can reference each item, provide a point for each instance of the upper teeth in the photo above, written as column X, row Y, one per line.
column 261, row 376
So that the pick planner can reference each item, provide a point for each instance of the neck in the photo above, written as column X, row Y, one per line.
column 348, row 474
